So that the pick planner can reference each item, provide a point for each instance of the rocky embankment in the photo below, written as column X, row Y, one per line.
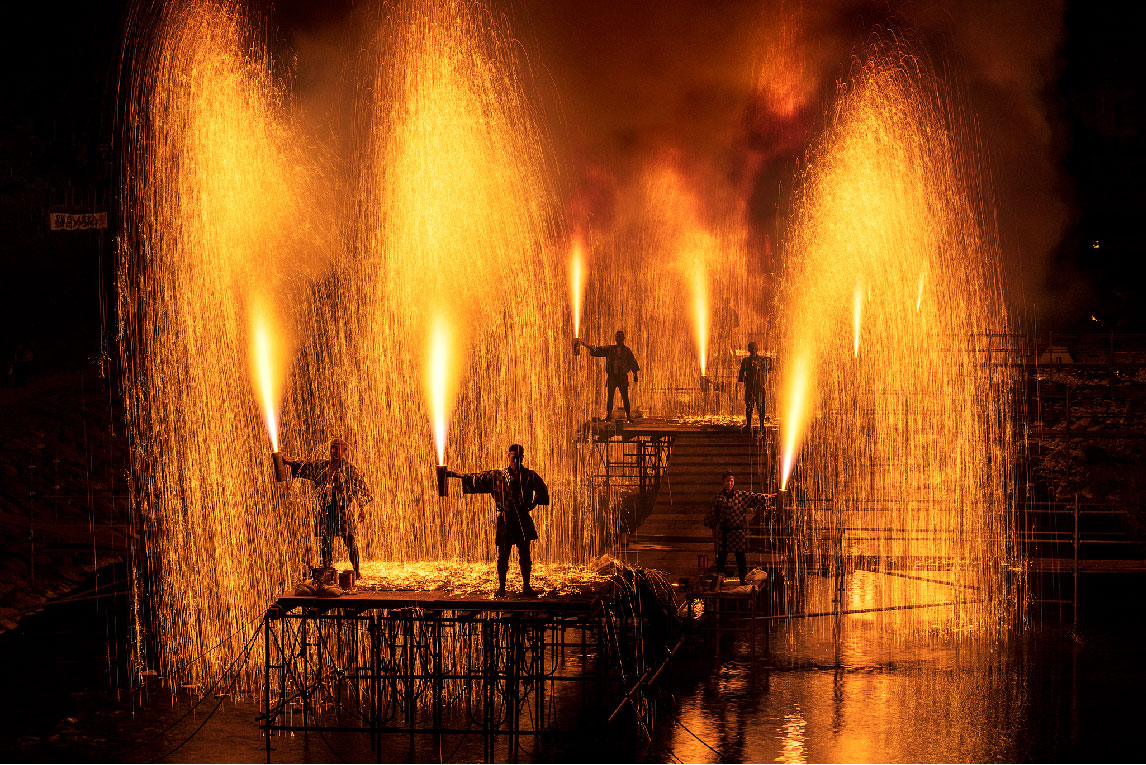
column 63, row 506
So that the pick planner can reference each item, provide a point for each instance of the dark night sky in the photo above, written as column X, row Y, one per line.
column 1057, row 93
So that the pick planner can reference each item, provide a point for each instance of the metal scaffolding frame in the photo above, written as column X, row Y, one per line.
column 502, row 670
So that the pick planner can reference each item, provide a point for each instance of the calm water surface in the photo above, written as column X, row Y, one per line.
column 826, row 690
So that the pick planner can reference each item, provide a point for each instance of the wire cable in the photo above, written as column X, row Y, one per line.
column 246, row 656
column 717, row 752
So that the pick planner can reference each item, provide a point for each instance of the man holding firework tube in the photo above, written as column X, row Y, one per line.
column 619, row 361
column 516, row 491
column 339, row 486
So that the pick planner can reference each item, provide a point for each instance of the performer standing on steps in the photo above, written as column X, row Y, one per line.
column 728, row 518
column 516, row 491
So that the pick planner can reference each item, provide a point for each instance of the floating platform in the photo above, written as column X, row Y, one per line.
column 435, row 662
column 439, row 600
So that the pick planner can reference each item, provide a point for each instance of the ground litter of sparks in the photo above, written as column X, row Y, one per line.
column 459, row 577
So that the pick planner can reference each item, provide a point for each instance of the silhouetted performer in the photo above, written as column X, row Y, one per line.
column 516, row 491
column 339, row 486
column 754, row 370
column 619, row 361
column 728, row 518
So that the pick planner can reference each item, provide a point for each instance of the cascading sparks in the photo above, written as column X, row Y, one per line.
column 907, row 455
column 857, row 319
column 216, row 194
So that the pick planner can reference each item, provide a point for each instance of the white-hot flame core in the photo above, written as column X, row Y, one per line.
column 440, row 373
column 265, row 371
column 796, row 418
column 577, row 275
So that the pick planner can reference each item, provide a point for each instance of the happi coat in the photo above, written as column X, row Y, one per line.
column 338, row 490
column 753, row 370
column 728, row 517
column 515, row 495
column 619, row 361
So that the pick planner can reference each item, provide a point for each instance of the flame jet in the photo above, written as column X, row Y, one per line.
column 913, row 445
column 455, row 212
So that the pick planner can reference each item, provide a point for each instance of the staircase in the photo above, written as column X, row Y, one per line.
column 673, row 534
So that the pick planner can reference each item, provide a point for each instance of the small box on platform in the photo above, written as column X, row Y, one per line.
column 282, row 470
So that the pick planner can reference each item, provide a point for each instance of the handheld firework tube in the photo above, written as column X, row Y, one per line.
column 443, row 483
column 576, row 346
column 705, row 384
column 282, row 470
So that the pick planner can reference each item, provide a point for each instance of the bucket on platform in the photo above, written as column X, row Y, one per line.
column 346, row 579
column 323, row 574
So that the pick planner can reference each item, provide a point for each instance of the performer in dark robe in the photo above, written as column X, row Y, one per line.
column 754, row 369
column 619, row 361
column 728, row 517
column 516, row 491
column 339, row 486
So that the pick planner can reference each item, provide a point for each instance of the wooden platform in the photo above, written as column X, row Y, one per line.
column 440, row 600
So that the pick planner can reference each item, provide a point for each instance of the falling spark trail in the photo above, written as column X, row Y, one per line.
column 856, row 319
column 917, row 437
column 701, row 309
column 451, row 206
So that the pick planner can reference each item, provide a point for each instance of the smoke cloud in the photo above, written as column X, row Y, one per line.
column 731, row 93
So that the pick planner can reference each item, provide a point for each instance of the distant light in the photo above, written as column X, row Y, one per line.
column 1096, row 244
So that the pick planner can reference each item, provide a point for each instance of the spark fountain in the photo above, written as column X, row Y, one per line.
column 904, row 453
column 650, row 284
column 452, row 209
column 215, row 196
